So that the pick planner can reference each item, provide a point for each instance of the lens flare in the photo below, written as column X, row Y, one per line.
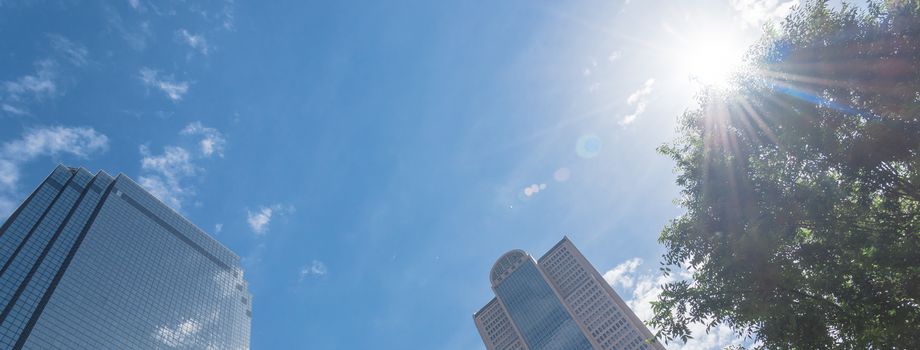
column 588, row 146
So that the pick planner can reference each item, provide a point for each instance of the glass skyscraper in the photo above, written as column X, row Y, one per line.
column 96, row 262
column 558, row 302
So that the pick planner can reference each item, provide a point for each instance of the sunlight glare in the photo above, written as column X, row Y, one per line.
column 711, row 58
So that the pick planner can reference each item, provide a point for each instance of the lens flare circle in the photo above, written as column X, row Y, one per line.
column 562, row 174
column 588, row 146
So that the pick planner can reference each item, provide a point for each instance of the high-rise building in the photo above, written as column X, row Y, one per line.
column 557, row 302
column 96, row 262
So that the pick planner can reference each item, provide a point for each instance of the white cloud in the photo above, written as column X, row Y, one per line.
column 173, row 89
column 13, row 110
column 226, row 14
column 316, row 269
column 622, row 273
column 615, row 55
column 260, row 219
column 163, row 174
column 181, row 334
column 168, row 192
column 755, row 13
column 37, row 85
column 135, row 33
column 75, row 53
column 43, row 141
column 53, row 140
column 44, row 81
column 638, row 95
column 135, row 4
column 638, row 99
column 197, row 42
column 174, row 162
column 643, row 288
column 9, row 174
column 212, row 141
column 218, row 228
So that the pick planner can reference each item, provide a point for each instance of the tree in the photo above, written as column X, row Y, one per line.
column 802, row 188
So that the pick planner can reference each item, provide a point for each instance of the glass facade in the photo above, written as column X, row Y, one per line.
column 558, row 302
column 539, row 315
column 96, row 262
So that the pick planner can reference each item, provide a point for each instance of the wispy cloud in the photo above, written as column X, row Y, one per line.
column 315, row 269
column 135, row 4
column 37, row 85
column 755, row 13
column 136, row 34
column 195, row 41
column 639, row 100
column 254, row 258
column 43, row 141
column 13, row 110
column 592, row 66
column 260, row 219
column 172, row 88
column 225, row 15
column 44, row 82
column 165, row 174
column 642, row 288
column 212, row 140
column 73, row 52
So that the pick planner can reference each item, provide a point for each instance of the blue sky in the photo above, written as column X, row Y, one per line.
column 370, row 161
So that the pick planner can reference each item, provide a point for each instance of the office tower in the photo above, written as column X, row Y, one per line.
column 558, row 302
column 96, row 262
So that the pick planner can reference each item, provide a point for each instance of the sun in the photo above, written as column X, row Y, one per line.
column 711, row 58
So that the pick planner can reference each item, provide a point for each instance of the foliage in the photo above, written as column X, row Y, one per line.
column 802, row 188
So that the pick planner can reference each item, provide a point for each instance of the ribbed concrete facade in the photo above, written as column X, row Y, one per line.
column 557, row 302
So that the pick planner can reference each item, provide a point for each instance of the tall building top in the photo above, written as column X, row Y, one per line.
column 170, row 217
column 95, row 262
column 506, row 264
column 557, row 302
column 564, row 241
column 175, row 222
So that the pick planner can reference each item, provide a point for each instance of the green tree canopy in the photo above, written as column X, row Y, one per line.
column 802, row 188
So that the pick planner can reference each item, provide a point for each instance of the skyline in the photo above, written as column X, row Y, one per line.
column 350, row 152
